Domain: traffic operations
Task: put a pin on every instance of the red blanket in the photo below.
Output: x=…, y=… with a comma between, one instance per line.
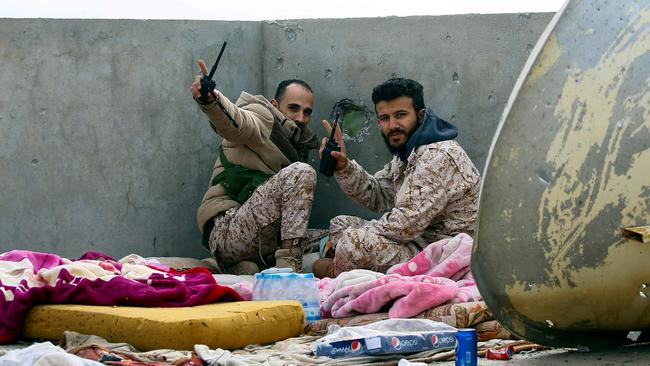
x=30, y=278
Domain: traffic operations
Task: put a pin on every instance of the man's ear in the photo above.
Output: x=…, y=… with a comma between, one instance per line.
x=421, y=114
x=275, y=103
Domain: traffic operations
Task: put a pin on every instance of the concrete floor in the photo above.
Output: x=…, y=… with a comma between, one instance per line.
x=634, y=355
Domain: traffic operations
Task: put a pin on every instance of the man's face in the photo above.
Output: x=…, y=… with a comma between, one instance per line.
x=397, y=119
x=296, y=103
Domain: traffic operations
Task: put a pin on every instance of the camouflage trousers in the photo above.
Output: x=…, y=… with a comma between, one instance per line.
x=277, y=210
x=358, y=247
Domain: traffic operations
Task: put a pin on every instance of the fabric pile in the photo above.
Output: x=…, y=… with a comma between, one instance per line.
x=437, y=275
x=30, y=278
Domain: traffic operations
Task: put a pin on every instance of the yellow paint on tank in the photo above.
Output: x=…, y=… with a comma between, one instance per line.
x=592, y=98
x=608, y=295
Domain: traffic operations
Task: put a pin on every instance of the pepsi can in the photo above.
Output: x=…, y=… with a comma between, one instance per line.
x=466, y=347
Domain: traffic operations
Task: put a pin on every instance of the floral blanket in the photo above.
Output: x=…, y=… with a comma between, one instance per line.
x=30, y=278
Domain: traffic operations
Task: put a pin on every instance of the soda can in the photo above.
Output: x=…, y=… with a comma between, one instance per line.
x=466, y=347
x=500, y=354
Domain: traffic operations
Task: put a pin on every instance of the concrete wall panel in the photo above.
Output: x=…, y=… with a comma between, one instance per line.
x=103, y=149
x=467, y=64
x=102, y=146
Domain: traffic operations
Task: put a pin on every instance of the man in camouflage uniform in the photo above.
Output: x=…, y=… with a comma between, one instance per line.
x=260, y=195
x=428, y=191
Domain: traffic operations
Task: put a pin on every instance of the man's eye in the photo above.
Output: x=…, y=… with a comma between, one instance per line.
x=307, y=112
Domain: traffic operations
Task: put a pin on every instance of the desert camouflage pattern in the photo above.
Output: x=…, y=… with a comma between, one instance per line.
x=277, y=210
x=433, y=195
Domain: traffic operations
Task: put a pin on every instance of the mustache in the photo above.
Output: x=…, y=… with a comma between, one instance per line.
x=395, y=131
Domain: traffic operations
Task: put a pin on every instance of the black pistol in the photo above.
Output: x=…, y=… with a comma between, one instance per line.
x=208, y=85
x=327, y=161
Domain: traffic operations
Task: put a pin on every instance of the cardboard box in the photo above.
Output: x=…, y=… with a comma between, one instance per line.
x=388, y=344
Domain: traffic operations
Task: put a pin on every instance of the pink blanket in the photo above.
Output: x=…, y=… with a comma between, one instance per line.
x=30, y=278
x=438, y=274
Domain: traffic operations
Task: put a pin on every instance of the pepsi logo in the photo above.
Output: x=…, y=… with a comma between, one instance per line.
x=355, y=346
x=395, y=343
x=434, y=340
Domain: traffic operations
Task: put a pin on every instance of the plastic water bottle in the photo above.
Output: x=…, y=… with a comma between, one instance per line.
x=280, y=284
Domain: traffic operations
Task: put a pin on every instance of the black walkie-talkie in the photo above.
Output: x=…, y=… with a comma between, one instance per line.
x=327, y=161
x=208, y=85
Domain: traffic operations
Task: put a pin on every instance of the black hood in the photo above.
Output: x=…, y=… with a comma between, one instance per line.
x=432, y=129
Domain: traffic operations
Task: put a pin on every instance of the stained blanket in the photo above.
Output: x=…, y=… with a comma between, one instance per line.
x=437, y=275
x=30, y=278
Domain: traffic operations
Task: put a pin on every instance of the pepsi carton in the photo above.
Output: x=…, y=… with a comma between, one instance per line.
x=388, y=344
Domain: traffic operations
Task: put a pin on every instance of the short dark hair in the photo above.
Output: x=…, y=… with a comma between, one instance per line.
x=399, y=87
x=282, y=87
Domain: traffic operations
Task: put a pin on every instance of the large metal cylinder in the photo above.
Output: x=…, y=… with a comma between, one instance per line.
x=568, y=169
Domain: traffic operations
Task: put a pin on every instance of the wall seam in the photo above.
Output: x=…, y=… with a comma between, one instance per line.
x=262, y=53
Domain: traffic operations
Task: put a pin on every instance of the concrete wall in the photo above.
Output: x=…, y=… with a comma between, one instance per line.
x=101, y=147
x=467, y=64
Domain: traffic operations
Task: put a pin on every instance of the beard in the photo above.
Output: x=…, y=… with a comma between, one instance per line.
x=400, y=150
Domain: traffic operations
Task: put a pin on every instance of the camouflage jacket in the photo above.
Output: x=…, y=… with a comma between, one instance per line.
x=433, y=195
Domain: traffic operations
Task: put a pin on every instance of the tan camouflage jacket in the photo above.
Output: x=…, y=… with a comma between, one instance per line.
x=432, y=196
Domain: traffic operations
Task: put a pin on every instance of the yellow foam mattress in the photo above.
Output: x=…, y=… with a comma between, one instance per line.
x=223, y=325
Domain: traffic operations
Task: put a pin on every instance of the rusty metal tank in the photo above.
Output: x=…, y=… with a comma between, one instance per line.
x=568, y=169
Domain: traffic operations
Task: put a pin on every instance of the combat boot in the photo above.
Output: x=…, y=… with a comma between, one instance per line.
x=289, y=258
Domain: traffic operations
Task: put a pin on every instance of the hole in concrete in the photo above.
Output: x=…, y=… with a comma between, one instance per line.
x=328, y=74
x=355, y=118
x=35, y=162
x=279, y=63
x=455, y=78
x=529, y=47
x=290, y=34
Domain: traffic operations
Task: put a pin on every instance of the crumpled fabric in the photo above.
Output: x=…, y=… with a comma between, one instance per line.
x=44, y=354
x=327, y=286
x=30, y=278
x=448, y=258
x=96, y=348
x=438, y=274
